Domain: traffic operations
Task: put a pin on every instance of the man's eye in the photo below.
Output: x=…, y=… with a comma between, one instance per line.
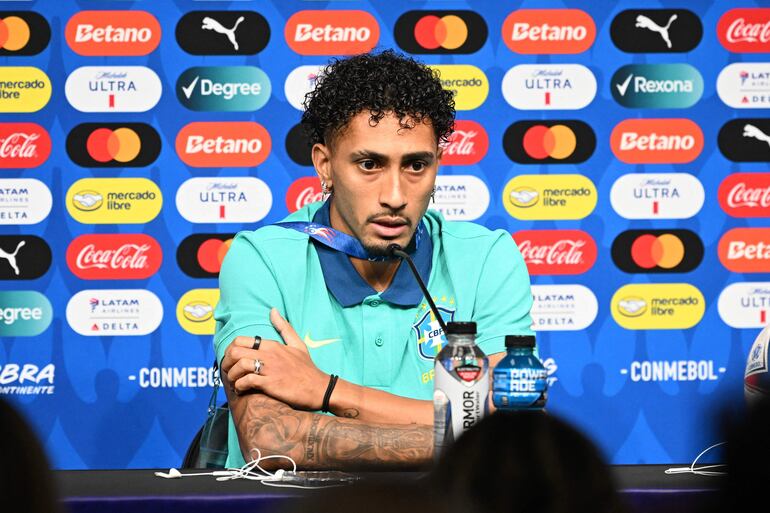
x=417, y=166
x=369, y=165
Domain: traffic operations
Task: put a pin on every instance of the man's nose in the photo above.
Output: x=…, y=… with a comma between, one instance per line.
x=392, y=192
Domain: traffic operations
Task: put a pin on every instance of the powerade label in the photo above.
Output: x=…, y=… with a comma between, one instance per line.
x=519, y=388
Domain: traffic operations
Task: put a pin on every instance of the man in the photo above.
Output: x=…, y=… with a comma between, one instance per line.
x=377, y=122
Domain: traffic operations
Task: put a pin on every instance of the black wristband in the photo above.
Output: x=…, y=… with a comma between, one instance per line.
x=328, y=394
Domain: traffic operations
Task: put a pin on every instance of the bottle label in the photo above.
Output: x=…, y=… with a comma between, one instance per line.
x=467, y=398
x=519, y=388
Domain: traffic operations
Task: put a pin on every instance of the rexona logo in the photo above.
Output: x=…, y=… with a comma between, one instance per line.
x=657, y=251
x=24, y=201
x=114, y=200
x=549, y=86
x=23, y=257
x=657, y=86
x=113, y=145
x=556, y=251
x=746, y=250
x=562, y=307
x=541, y=31
x=656, y=141
x=224, y=200
x=440, y=32
x=657, y=306
x=112, y=33
x=24, y=313
x=200, y=255
x=301, y=81
x=117, y=312
x=113, y=89
x=195, y=311
x=27, y=379
x=222, y=32
x=24, y=89
x=745, y=304
x=468, y=83
x=745, y=30
x=303, y=191
x=657, y=196
x=223, y=144
x=223, y=88
x=460, y=197
x=298, y=146
x=467, y=145
x=745, y=85
x=23, y=33
x=23, y=145
x=331, y=32
x=656, y=30
x=541, y=197
x=549, y=142
x=745, y=195
x=114, y=256
x=745, y=140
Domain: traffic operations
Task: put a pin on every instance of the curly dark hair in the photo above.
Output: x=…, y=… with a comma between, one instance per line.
x=380, y=83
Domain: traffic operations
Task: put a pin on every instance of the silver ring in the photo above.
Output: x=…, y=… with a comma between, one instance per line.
x=257, y=366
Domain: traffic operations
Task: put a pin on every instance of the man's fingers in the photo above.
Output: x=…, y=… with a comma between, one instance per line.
x=249, y=382
x=286, y=330
x=244, y=367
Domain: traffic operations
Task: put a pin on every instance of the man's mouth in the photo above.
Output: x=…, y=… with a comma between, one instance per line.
x=390, y=227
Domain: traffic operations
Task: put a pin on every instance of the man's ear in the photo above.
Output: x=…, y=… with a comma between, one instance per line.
x=321, y=156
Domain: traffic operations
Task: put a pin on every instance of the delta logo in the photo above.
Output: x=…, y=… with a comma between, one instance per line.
x=657, y=86
x=563, y=307
x=114, y=200
x=745, y=85
x=112, y=33
x=549, y=142
x=549, y=86
x=745, y=140
x=24, y=201
x=745, y=195
x=657, y=306
x=460, y=197
x=244, y=199
x=113, y=145
x=23, y=145
x=24, y=313
x=113, y=89
x=117, y=312
x=195, y=311
x=545, y=197
x=467, y=145
x=657, y=196
x=556, y=252
x=302, y=192
x=745, y=305
x=745, y=250
x=114, y=256
x=469, y=84
x=23, y=257
x=23, y=33
x=656, y=30
x=657, y=251
x=549, y=31
x=201, y=255
x=222, y=32
x=223, y=88
x=24, y=89
x=656, y=141
x=223, y=144
x=331, y=32
x=440, y=32
x=745, y=30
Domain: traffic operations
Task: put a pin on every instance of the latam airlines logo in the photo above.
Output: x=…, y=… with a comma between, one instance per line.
x=657, y=306
x=114, y=256
x=23, y=145
x=563, y=307
x=745, y=305
x=23, y=33
x=301, y=81
x=656, y=30
x=745, y=30
x=657, y=251
x=657, y=196
x=303, y=191
x=460, y=197
x=113, y=145
x=745, y=85
x=112, y=33
x=440, y=32
x=468, y=83
x=745, y=195
x=118, y=312
x=24, y=201
x=556, y=251
x=549, y=31
x=549, y=142
x=657, y=86
x=24, y=89
x=223, y=88
x=745, y=140
x=222, y=32
x=114, y=200
x=24, y=313
x=746, y=250
x=113, y=89
x=201, y=255
x=549, y=86
x=23, y=257
x=223, y=144
x=656, y=141
x=467, y=145
x=195, y=311
x=224, y=200
x=331, y=32
x=541, y=197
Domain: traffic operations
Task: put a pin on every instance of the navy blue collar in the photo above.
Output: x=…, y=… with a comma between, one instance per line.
x=349, y=288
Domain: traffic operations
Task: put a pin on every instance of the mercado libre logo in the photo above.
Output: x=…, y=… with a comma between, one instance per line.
x=745, y=195
x=656, y=141
x=544, y=197
x=113, y=89
x=656, y=30
x=195, y=311
x=114, y=200
x=657, y=251
x=331, y=32
x=745, y=305
x=24, y=313
x=549, y=31
x=24, y=89
x=112, y=33
x=657, y=306
x=549, y=142
x=549, y=86
x=657, y=86
x=23, y=145
x=468, y=83
x=223, y=88
x=222, y=32
x=113, y=145
x=745, y=140
x=200, y=255
x=223, y=144
x=114, y=256
x=23, y=257
x=116, y=312
x=657, y=196
x=23, y=33
x=435, y=32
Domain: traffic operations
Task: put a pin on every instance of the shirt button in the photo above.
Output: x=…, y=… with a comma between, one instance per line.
x=378, y=342
x=375, y=302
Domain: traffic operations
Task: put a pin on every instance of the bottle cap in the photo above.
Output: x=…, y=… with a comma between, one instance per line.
x=519, y=341
x=461, y=328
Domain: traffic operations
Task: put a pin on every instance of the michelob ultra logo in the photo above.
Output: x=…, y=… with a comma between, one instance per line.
x=563, y=307
x=745, y=195
x=23, y=33
x=657, y=306
x=195, y=311
x=657, y=86
x=657, y=196
x=201, y=254
x=435, y=32
x=113, y=89
x=460, y=197
x=243, y=199
x=112, y=33
x=114, y=200
x=745, y=30
x=549, y=86
x=222, y=32
x=24, y=89
x=549, y=31
x=24, y=201
x=540, y=197
x=657, y=251
x=745, y=85
x=115, y=312
x=223, y=144
x=745, y=304
x=23, y=145
x=24, y=313
x=746, y=250
x=656, y=30
x=223, y=88
x=113, y=145
x=549, y=142
x=656, y=141
x=468, y=83
x=745, y=140
x=331, y=32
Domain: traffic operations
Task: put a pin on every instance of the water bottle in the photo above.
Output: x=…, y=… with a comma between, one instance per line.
x=519, y=381
x=461, y=385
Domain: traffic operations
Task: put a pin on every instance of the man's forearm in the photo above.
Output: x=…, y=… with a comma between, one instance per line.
x=371, y=405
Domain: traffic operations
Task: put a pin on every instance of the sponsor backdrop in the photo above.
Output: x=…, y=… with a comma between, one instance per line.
x=623, y=146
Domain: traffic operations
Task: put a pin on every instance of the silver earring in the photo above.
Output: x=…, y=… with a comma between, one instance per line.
x=324, y=191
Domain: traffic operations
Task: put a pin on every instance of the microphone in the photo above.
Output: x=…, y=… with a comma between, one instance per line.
x=395, y=250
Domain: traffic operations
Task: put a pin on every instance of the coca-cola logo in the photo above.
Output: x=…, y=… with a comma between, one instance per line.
x=467, y=145
x=302, y=192
x=556, y=251
x=745, y=195
x=114, y=256
x=23, y=145
x=745, y=30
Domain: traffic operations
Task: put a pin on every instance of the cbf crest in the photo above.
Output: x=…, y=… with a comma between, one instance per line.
x=430, y=337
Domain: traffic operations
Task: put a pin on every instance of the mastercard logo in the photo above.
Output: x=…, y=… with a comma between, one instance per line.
x=457, y=32
x=23, y=33
x=657, y=251
x=549, y=142
x=201, y=255
x=113, y=145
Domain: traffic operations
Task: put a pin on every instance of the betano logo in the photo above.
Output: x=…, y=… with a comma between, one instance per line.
x=542, y=197
x=243, y=199
x=114, y=312
x=223, y=144
x=745, y=85
x=24, y=201
x=436, y=32
x=657, y=251
x=201, y=255
x=549, y=86
x=745, y=30
x=114, y=200
x=657, y=196
x=657, y=86
x=460, y=197
x=656, y=30
x=331, y=32
x=745, y=140
x=23, y=33
x=549, y=142
x=656, y=141
x=24, y=313
x=563, y=307
x=24, y=89
x=549, y=31
x=745, y=195
x=113, y=89
x=195, y=311
x=223, y=88
x=114, y=256
x=113, y=145
x=657, y=306
x=548, y=252
x=23, y=145
x=467, y=145
x=112, y=33
x=468, y=83
x=745, y=305
x=745, y=250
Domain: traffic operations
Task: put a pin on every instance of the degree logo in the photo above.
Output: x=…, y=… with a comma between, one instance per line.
x=223, y=144
x=549, y=86
x=746, y=250
x=542, y=197
x=549, y=31
x=115, y=312
x=563, y=307
x=24, y=89
x=657, y=196
x=657, y=306
x=114, y=256
x=114, y=200
x=24, y=313
x=467, y=145
x=657, y=251
x=195, y=311
x=23, y=33
x=23, y=145
x=657, y=86
x=549, y=142
x=556, y=251
x=303, y=191
x=745, y=30
x=745, y=305
x=745, y=85
x=656, y=30
x=745, y=140
x=112, y=33
x=656, y=141
x=113, y=89
x=200, y=255
x=113, y=145
x=468, y=83
x=331, y=32
x=23, y=257
x=243, y=199
x=24, y=201
x=223, y=88
x=222, y=32
x=745, y=195
x=437, y=32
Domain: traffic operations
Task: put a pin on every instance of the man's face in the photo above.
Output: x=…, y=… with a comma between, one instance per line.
x=382, y=177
